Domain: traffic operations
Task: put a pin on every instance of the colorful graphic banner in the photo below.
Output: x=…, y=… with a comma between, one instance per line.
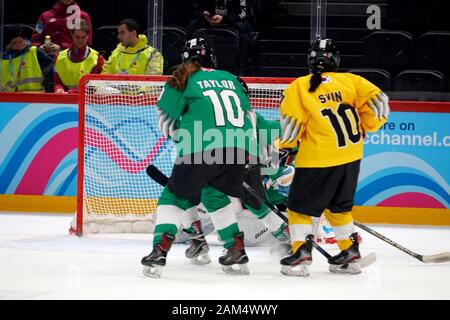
x=38, y=148
x=406, y=163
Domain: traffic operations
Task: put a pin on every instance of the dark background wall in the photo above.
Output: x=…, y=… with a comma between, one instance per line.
x=102, y=12
x=415, y=16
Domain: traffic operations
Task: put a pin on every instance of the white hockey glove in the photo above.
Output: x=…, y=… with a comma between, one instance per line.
x=290, y=128
x=166, y=124
x=380, y=105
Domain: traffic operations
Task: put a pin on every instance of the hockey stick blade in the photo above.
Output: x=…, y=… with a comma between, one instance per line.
x=436, y=258
x=154, y=173
x=367, y=260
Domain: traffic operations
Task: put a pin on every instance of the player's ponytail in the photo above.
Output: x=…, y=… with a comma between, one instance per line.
x=315, y=81
x=181, y=74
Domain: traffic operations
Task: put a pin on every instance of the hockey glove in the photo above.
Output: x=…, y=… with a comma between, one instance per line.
x=380, y=105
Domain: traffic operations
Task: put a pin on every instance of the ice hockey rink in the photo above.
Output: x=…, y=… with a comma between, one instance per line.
x=40, y=260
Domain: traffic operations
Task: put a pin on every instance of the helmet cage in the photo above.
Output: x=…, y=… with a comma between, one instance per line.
x=323, y=56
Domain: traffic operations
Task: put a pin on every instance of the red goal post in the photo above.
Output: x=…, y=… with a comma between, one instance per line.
x=119, y=137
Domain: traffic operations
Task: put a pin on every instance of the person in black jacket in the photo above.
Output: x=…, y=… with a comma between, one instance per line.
x=217, y=13
x=227, y=14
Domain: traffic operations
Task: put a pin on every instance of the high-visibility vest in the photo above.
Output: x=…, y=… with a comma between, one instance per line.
x=22, y=73
x=140, y=59
x=71, y=72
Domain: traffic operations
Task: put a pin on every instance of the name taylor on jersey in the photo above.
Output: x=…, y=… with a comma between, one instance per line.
x=206, y=84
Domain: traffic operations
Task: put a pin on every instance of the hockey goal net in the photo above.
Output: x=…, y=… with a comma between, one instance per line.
x=119, y=138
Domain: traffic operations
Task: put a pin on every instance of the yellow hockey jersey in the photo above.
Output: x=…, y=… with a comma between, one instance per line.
x=333, y=119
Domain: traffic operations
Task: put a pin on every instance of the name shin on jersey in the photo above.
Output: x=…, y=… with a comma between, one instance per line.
x=207, y=84
x=331, y=96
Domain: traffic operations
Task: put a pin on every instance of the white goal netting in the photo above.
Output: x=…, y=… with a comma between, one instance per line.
x=119, y=138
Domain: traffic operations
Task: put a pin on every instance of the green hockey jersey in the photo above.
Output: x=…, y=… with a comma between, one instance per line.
x=213, y=111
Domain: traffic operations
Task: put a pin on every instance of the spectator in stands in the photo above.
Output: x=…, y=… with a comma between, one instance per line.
x=217, y=13
x=24, y=67
x=57, y=23
x=232, y=14
x=71, y=64
x=133, y=54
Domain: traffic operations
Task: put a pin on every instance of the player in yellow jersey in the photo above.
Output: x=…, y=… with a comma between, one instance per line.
x=326, y=115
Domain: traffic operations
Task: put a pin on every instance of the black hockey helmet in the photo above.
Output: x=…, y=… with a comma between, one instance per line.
x=244, y=85
x=323, y=56
x=197, y=49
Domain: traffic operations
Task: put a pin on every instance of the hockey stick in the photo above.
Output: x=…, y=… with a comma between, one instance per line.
x=281, y=215
x=154, y=173
x=434, y=258
x=365, y=261
x=160, y=178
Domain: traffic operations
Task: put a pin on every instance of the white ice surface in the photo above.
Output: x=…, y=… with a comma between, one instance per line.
x=39, y=260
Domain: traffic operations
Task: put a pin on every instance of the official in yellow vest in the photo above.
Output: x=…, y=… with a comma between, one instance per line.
x=75, y=62
x=133, y=55
x=23, y=66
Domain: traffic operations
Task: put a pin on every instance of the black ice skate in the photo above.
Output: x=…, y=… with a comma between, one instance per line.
x=234, y=260
x=296, y=264
x=198, y=249
x=157, y=258
x=348, y=260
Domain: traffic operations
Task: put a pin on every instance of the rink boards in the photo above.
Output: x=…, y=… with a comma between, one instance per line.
x=404, y=170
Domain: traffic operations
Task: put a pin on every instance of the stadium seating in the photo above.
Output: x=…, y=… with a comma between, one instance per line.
x=282, y=72
x=379, y=77
x=173, y=39
x=105, y=40
x=392, y=50
x=419, y=80
x=433, y=51
x=28, y=29
x=225, y=43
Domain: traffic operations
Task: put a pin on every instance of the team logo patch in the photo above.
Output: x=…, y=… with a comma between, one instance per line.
x=326, y=79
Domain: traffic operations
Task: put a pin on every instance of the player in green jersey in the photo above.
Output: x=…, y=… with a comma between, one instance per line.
x=208, y=114
x=270, y=225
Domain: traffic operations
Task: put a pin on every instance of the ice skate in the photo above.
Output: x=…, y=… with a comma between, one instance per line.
x=197, y=252
x=348, y=260
x=296, y=264
x=154, y=262
x=235, y=260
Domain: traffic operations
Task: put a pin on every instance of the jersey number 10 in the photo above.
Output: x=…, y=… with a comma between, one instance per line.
x=224, y=102
x=342, y=113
